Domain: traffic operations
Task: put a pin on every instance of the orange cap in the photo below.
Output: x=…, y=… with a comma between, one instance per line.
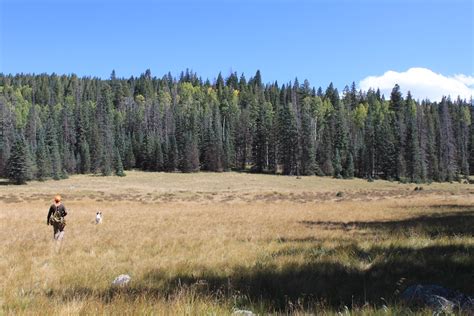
x=57, y=198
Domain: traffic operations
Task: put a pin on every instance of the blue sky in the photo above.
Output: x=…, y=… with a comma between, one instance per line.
x=336, y=41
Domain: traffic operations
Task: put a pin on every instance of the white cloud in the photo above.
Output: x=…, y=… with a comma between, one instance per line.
x=422, y=83
x=467, y=80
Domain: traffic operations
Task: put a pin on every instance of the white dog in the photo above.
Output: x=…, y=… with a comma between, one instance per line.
x=98, y=218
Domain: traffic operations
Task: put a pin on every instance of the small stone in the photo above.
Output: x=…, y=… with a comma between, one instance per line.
x=243, y=312
x=438, y=298
x=121, y=280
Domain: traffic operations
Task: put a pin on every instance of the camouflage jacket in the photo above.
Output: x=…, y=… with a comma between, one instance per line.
x=52, y=210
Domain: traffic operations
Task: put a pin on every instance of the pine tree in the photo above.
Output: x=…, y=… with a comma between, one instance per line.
x=42, y=161
x=243, y=138
x=413, y=156
x=190, y=159
x=69, y=159
x=324, y=150
x=172, y=154
x=433, y=170
x=287, y=146
x=337, y=165
x=308, y=160
x=6, y=134
x=228, y=153
x=104, y=113
x=118, y=164
x=157, y=156
x=386, y=154
x=95, y=147
x=340, y=129
x=398, y=124
x=52, y=149
x=17, y=164
x=85, y=157
x=32, y=168
x=448, y=166
x=369, y=148
x=349, y=170
x=463, y=121
x=211, y=142
x=129, y=161
x=32, y=127
x=148, y=152
x=471, y=142
x=67, y=135
x=261, y=140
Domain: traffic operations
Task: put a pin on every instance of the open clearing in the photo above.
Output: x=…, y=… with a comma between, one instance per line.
x=209, y=243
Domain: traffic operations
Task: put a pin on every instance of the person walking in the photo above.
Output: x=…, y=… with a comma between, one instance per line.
x=56, y=215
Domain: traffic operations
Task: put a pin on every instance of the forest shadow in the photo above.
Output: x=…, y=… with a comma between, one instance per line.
x=333, y=283
x=434, y=225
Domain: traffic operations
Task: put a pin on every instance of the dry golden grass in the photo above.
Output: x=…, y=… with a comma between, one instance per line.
x=210, y=242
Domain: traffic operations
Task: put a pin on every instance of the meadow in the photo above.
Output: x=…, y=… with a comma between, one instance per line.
x=211, y=243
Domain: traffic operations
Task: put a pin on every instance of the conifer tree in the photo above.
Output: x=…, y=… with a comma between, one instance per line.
x=447, y=147
x=157, y=162
x=398, y=124
x=17, y=164
x=95, y=147
x=104, y=116
x=471, y=141
x=308, y=160
x=129, y=161
x=52, y=149
x=190, y=159
x=6, y=135
x=463, y=121
x=85, y=157
x=43, y=163
x=433, y=169
x=287, y=146
x=261, y=140
x=413, y=157
x=337, y=165
x=349, y=169
x=118, y=164
x=172, y=154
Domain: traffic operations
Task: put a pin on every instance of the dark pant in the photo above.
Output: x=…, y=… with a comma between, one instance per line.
x=58, y=230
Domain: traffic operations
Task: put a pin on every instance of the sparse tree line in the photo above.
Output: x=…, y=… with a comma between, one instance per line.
x=52, y=126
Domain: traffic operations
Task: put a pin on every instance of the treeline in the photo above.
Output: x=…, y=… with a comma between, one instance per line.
x=52, y=126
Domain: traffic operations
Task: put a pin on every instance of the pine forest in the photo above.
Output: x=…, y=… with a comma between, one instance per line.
x=52, y=126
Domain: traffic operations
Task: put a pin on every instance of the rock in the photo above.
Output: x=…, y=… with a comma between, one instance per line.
x=438, y=298
x=121, y=280
x=440, y=304
x=468, y=306
x=243, y=312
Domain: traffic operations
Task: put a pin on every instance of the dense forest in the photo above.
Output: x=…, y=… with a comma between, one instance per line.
x=52, y=126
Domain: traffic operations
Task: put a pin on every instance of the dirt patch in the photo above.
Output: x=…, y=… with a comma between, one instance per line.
x=11, y=199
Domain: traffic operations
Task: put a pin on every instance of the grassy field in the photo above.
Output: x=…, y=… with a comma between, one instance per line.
x=210, y=243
